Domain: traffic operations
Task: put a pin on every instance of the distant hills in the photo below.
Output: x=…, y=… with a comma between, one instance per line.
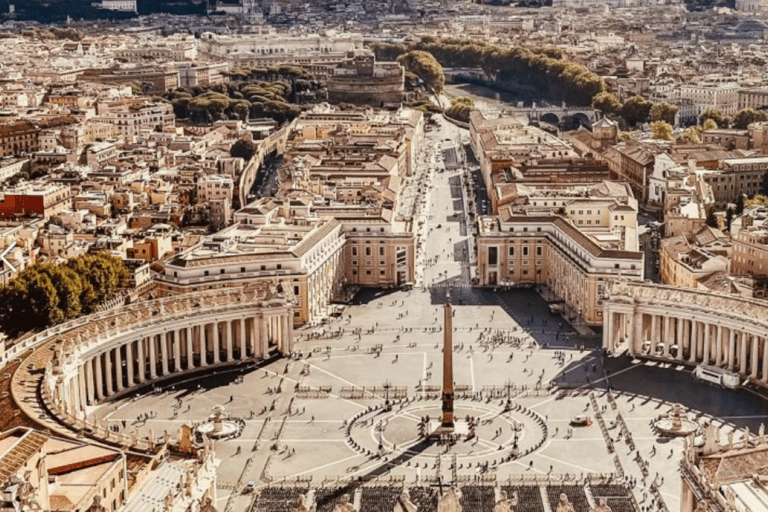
x=50, y=11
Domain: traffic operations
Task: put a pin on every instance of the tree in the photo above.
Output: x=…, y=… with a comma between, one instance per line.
x=607, y=103
x=712, y=219
x=662, y=130
x=460, y=108
x=747, y=116
x=636, y=110
x=729, y=217
x=740, y=204
x=715, y=115
x=244, y=149
x=690, y=135
x=709, y=124
x=663, y=112
x=424, y=65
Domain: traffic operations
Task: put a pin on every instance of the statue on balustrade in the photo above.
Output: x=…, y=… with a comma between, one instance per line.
x=450, y=501
x=301, y=504
x=404, y=503
x=208, y=505
x=505, y=504
x=602, y=506
x=564, y=505
x=344, y=505
x=96, y=506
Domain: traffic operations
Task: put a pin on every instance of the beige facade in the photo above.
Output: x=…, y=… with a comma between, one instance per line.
x=550, y=250
x=306, y=255
x=750, y=252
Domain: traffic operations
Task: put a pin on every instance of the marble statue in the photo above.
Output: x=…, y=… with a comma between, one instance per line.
x=208, y=505
x=343, y=505
x=505, y=504
x=301, y=504
x=602, y=506
x=450, y=501
x=564, y=505
x=404, y=503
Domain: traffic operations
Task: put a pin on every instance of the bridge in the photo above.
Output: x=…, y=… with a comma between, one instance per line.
x=555, y=115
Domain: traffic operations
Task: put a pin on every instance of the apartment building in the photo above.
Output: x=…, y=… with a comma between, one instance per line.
x=718, y=96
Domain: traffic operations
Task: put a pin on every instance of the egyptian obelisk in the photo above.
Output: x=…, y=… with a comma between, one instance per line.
x=447, y=425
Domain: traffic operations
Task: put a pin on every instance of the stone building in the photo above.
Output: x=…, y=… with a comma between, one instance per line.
x=547, y=249
x=359, y=79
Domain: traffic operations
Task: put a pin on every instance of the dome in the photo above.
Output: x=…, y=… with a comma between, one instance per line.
x=751, y=25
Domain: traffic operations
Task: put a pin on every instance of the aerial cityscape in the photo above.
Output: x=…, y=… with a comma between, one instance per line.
x=384, y=256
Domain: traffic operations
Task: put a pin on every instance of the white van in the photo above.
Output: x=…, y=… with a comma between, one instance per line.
x=718, y=376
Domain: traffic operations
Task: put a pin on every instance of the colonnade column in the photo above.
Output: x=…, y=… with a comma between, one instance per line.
x=765, y=360
x=142, y=367
x=89, y=381
x=177, y=350
x=719, y=346
x=190, y=350
x=679, y=339
x=228, y=339
x=694, y=341
x=129, y=362
x=203, y=345
x=108, y=373
x=216, y=344
x=81, y=383
x=653, y=337
x=743, y=352
x=608, y=339
x=152, y=357
x=753, y=356
x=119, y=372
x=99, y=380
x=285, y=336
x=243, y=344
x=706, y=355
x=263, y=336
x=667, y=335
x=164, y=353
x=731, y=347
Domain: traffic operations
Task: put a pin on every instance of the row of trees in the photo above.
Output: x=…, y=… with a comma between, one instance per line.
x=541, y=74
x=460, y=108
x=638, y=110
x=425, y=66
x=47, y=294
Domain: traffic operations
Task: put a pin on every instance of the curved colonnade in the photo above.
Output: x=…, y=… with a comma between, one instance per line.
x=687, y=326
x=77, y=365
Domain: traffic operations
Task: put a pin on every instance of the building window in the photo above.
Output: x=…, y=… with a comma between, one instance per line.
x=367, y=251
x=511, y=251
x=539, y=251
x=381, y=250
x=354, y=251
x=493, y=255
x=525, y=251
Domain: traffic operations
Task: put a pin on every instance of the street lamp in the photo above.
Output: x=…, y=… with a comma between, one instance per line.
x=387, y=405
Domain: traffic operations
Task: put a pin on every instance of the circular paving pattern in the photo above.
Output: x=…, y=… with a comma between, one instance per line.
x=499, y=436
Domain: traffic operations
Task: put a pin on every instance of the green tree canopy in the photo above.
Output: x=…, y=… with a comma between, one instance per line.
x=747, y=116
x=662, y=130
x=606, y=103
x=663, y=112
x=46, y=294
x=636, y=110
x=715, y=115
x=425, y=66
x=244, y=149
x=709, y=124
x=690, y=135
x=460, y=108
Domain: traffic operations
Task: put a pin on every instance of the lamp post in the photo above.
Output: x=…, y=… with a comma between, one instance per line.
x=387, y=405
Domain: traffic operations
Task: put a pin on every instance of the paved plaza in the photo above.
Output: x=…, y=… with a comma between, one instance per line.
x=320, y=416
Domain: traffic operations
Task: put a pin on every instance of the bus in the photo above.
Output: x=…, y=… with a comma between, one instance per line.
x=715, y=375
